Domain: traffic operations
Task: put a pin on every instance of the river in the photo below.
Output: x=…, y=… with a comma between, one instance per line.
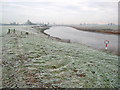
x=92, y=39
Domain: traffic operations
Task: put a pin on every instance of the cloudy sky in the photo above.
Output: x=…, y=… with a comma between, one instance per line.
x=60, y=11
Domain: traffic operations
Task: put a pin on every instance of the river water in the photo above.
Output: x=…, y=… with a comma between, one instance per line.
x=92, y=39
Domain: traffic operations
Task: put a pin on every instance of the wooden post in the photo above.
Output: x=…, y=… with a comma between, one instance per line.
x=8, y=31
x=21, y=32
x=14, y=30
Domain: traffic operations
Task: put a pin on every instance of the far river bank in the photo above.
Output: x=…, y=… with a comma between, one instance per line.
x=107, y=31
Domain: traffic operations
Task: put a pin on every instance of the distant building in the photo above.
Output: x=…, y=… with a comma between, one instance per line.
x=48, y=23
x=111, y=24
x=29, y=23
x=14, y=23
x=17, y=23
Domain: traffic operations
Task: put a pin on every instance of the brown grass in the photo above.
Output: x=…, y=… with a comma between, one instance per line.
x=109, y=31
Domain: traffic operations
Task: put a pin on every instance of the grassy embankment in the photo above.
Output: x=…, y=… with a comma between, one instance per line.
x=101, y=29
x=38, y=61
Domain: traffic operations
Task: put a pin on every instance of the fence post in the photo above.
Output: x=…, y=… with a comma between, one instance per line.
x=8, y=31
x=14, y=30
x=21, y=32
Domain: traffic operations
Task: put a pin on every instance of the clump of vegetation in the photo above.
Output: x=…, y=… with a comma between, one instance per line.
x=26, y=33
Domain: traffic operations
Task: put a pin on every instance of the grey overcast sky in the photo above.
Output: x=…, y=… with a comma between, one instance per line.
x=60, y=11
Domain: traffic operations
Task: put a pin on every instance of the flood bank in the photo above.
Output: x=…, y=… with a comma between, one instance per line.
x=36, y=61
x=107, y=31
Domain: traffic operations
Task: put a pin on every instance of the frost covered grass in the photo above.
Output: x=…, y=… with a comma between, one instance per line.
x=37, y=61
